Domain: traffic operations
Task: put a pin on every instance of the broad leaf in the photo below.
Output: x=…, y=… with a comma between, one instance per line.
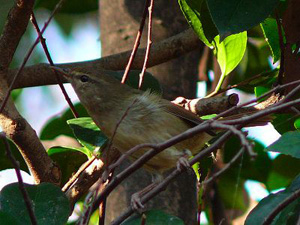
x=297, y=124
x=50, y=204
x=267, y=205
x=234, y=16
x=269, y=27
x=87, y=132
x=5, y=162
x=68, y=159
x=230, y=51
x=57, y=125
x=284, y=169
x=283, y=122
x=287, y=144
x=198, y=17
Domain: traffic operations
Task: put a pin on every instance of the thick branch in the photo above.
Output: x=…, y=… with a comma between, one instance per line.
x=14, y=29
x=19, y=130
x=161, y=52
x=12, y=123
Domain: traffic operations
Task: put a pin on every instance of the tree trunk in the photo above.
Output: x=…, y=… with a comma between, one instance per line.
x=119, y=23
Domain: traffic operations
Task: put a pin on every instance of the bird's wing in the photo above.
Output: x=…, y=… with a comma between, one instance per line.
x=182, y=113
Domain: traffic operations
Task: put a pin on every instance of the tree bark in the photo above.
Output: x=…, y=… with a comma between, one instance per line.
x=119, y=23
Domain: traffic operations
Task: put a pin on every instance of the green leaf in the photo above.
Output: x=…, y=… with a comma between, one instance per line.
x=269, y=27
x=284, y=169
x=255, y=61
x=232, y=192
x=250, y=169
x=230, y=51
x=283, y=123
x=68, y=159
x=287, y=144
x=208, y=117
x=87, y=133
x=297, y=124
x=234, y=16
x=51, y=206
x=267, y=205
x=154, y=217
x=150, y=82
x=58, y=125
x=198, y=17
x=6, y=163
x=15, y=94
x=71, y=7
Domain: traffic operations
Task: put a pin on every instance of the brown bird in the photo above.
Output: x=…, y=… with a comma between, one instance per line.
x=151, y=119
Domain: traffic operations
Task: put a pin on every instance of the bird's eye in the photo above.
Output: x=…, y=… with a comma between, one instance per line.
x=84, y=78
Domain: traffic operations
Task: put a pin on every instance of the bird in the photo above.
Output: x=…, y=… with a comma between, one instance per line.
x=151, y=119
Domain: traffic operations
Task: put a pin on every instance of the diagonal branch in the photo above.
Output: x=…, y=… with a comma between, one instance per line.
x=14, y=29
x=161, y=52
x=13, y=124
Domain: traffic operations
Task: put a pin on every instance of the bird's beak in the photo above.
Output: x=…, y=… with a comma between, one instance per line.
x=63, y=71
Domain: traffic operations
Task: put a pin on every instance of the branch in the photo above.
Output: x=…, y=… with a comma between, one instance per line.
x=207, y=106
x=58, y=77
x=14, y=29
x=136, y=43
x=13, y=124
x=225, y=168
x=161, y=52
x=149, y=44
x=161, y=186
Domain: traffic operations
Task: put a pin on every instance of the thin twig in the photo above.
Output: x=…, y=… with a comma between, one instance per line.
x=281, y=206
x=77, y=174
x=161, y=186
x=119, y=122
x=136, y=43
x=16, y=76
x=238, y=133
x=225, y=168
x=16, y=165
x=58, y=78
x=149, y=43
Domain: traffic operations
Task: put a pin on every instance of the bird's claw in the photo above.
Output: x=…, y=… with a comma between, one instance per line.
x=136, y=203
x=183, y=163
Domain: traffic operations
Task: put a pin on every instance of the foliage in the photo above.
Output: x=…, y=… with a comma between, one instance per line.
x=243, y=36
x=51, y=206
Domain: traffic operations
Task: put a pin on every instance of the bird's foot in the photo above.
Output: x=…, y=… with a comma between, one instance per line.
x=183, y=164
x=136, y=203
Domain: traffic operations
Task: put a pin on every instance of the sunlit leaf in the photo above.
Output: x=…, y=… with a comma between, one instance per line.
x=230, y=51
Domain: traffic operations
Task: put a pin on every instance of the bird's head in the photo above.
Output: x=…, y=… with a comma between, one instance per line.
x=90, y=87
